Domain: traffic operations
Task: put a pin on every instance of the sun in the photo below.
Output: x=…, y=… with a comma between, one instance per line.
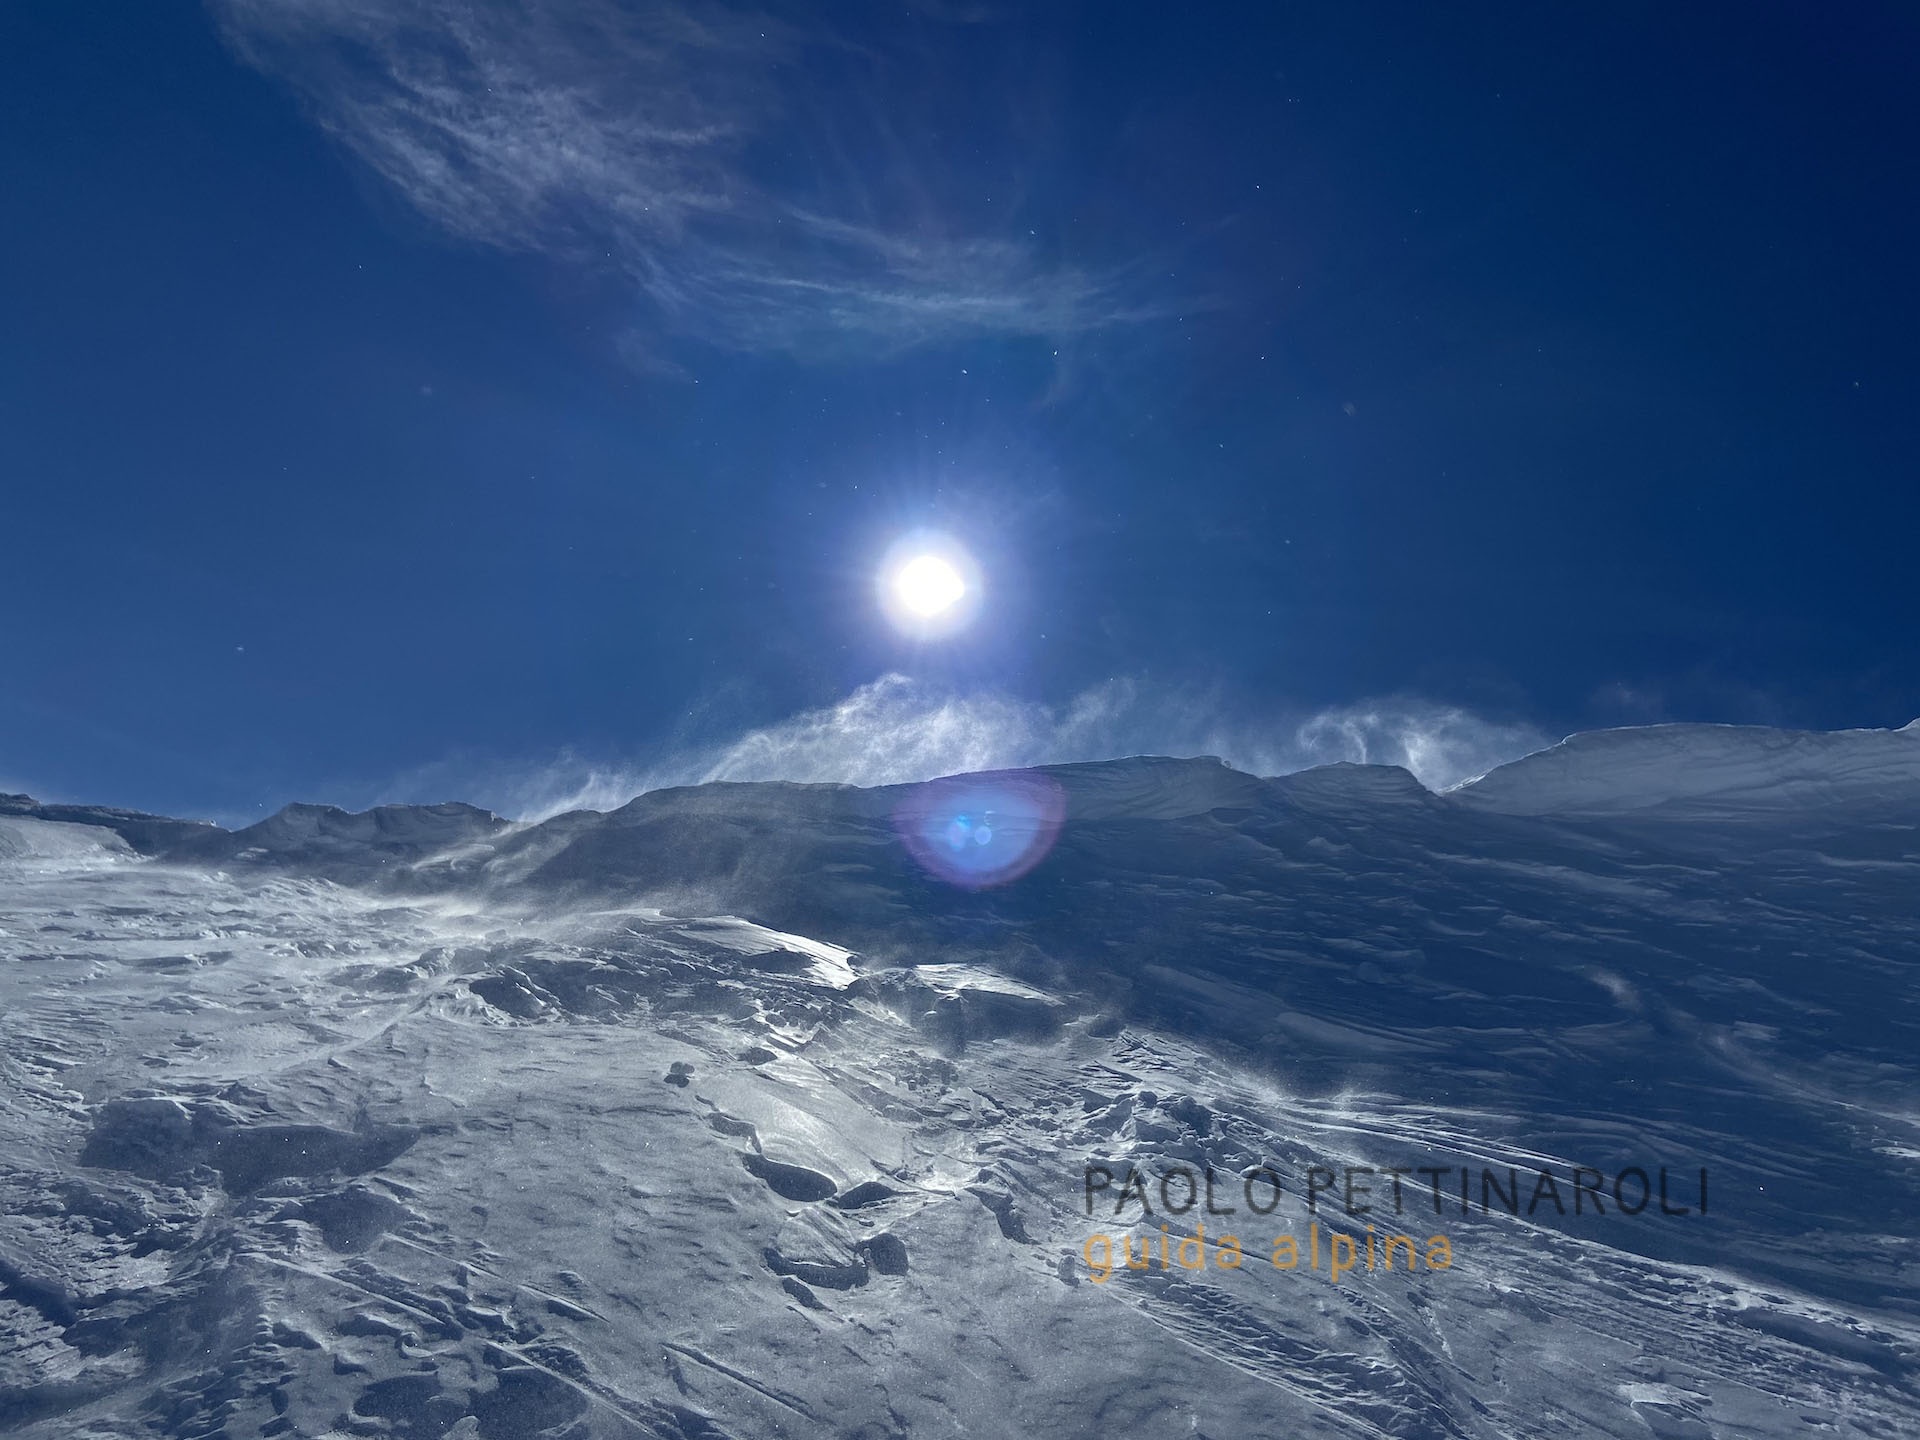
x=929, y=586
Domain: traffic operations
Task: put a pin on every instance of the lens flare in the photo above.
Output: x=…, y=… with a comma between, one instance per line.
x=977, y=831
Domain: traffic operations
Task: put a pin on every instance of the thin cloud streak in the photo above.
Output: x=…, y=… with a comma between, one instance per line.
x=620, y=135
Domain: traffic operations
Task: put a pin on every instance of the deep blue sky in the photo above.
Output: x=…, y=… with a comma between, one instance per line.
x=1555, y=362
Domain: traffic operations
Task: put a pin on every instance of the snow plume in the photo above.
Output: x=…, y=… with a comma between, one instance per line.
x=898, y=730
x=622, y=136
x=1442, y=745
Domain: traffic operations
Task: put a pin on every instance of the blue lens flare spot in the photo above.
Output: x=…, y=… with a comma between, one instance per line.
x=975, y=831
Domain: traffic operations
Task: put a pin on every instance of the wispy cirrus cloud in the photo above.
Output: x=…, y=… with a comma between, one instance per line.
x=636, y=135
x=896, y=730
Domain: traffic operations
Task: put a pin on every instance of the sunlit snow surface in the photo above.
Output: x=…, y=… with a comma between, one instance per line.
x=421, y=1124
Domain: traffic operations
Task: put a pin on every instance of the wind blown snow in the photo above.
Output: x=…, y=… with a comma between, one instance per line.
x=897, y=730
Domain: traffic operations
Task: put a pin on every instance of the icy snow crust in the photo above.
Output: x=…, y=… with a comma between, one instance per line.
x=715, y=1116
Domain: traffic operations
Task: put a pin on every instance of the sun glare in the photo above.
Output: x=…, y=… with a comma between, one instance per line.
x=929, y=586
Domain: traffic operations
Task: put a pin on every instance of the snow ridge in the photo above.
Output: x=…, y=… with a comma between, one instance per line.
x=1705, y=770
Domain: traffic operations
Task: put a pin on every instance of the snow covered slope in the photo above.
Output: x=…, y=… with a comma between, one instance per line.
x=27, y=840
x=143, y=832
x=730, y=1113
x=1704, y=770
x=323, y=839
